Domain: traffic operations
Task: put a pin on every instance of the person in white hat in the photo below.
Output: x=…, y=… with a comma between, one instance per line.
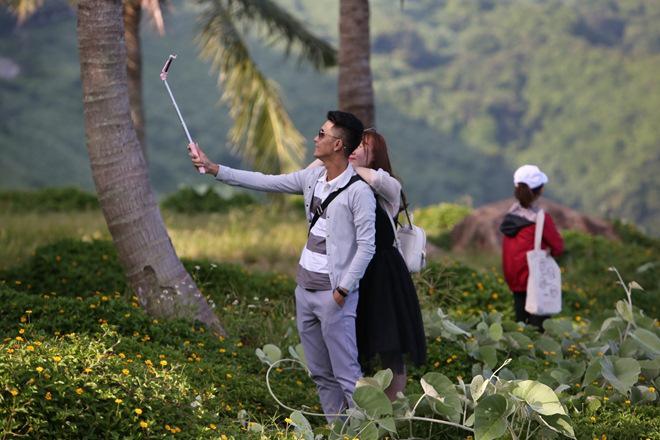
x=518, y=230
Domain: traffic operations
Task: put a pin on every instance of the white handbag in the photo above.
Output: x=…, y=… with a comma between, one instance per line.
x=544, y=282
x=411, y=242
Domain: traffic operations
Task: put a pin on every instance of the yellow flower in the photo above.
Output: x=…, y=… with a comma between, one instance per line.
x=138, y=411
x=39, y=369
x=57, y=358
x=79, y=391
x=163, y=363
x=148, y=363
x=288, y=420
x=627, y=402
x=87, y=370
x=143, y=424
x=19, y=339
x=21, y=331
x=224, y=437
x=125, y=372
x=652, y=389
x=213, y=426
x=122, y=355
x=29, y=348
x=14, y=392
x=229, y=376
x=48, y=396
x=592, y=418
x=221, y=350
x=118, y=401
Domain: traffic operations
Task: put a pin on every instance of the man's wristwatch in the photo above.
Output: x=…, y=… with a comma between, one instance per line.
x=343, y=292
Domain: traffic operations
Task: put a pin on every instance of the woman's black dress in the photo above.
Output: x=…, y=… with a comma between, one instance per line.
x=389, y=324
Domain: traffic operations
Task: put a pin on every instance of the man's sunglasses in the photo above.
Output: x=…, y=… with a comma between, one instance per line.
x=323, y=134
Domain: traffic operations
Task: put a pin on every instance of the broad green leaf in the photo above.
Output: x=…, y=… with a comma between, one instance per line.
x=629, y=348
x=298, y=352
x=559, y=327
x=647, y=341
x=592, y=373
x=549, y=347
x=367, y=431
x=624, y=310
x=367, y=381
x=650, y=368
x=388, y=424
x=470, y=420
x=593, y=404
x=477, y=387
x=489, y=418
x=539, y=397
x=519, y=340
x=607, y=324
x=302, y=425
x=373, y=401
x=495, y=331
x=559, y=423
x=384, y=378
x=273, y=352
x=448, y=402
x=430, y=391
x=453, y=329
x=299, y=420
x=488, y=354
x=622, y=373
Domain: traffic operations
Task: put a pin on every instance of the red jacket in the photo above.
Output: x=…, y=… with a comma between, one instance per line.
x=518, y=240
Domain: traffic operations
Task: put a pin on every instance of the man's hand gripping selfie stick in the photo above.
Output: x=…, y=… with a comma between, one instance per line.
x=163, y=76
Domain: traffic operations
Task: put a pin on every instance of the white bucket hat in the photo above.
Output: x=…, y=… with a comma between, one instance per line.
x=530, y=175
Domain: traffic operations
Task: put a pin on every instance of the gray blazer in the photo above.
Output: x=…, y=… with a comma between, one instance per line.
x=351, y=216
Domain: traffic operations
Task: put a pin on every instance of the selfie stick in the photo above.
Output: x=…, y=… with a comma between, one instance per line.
x=163, y=76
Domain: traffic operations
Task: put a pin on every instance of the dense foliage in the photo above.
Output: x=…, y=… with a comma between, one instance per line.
x=80, y=358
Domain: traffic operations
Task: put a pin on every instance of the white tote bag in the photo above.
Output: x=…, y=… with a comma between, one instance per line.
x=411, y=242
x=544, y=282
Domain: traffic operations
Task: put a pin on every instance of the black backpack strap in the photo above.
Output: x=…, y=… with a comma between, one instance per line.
x=321, y=209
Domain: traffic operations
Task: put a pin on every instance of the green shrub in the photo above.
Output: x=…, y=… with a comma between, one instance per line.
x=206, y=199
x=48, y=200
x=587, y=259
x=65, y=362
x=438, y=221
x=69, y=267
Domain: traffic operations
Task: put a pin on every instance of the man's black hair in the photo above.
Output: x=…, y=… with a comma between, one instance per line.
x=349, y=127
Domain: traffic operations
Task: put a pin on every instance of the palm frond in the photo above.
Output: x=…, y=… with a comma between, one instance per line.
x=281, y=26
x=22, y=9
x=262, y=132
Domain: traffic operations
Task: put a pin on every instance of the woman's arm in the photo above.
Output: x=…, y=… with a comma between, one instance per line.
x=384, y=185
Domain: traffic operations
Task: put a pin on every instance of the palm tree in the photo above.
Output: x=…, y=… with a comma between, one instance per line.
x=263, y=132
x=356, y=93
x=153, y=270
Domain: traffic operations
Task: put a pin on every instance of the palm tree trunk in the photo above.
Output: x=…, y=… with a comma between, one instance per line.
x=356, y=93
x=132, y=16
x=119, y=169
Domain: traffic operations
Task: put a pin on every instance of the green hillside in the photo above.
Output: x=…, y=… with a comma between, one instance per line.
x=466, y=92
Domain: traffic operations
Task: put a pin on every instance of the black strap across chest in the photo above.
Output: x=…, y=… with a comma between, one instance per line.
x=318, y=212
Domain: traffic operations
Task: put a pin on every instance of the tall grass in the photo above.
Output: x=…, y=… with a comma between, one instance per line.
x=260, y=236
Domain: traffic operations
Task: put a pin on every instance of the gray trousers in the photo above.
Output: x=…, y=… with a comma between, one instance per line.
x=327, y=333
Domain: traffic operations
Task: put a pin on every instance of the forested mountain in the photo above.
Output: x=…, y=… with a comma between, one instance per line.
x=467, y=90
